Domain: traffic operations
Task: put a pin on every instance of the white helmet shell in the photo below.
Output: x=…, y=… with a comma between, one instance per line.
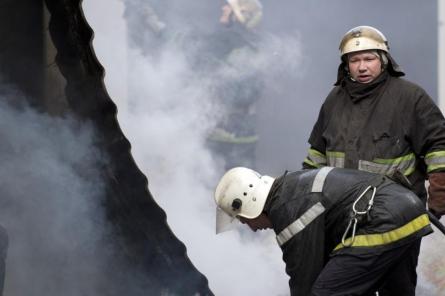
x=363, y=38
x=243, y=192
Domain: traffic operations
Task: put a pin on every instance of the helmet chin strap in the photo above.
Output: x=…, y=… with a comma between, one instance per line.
x=383, y=59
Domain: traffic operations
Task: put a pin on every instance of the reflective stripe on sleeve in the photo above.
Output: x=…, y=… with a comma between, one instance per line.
x=319, y=179
x=221, y=135
x=335, y=159
x=299, y=224
x=315, y=158
x=435, y=160
x=406, y=164
x=378, y=239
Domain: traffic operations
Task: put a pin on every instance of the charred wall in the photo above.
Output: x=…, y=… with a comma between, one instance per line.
x=46, y=53
x=21, y=49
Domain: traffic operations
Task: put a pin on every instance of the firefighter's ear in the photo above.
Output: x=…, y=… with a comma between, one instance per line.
x=346, y=68
x=344, y=61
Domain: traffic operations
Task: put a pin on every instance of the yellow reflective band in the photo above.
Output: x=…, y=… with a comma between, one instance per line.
x=311, y=163
x=316, y=153
x=435, y=160
x=336, y=159
x=336, y=154
x=435, y=154
x=398, y=160
x=435, y=167
x=315, y=158
x=221, y=135
x=378, y=239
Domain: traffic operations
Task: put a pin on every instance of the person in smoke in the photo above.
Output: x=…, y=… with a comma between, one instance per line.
x=230, y=54
x=245, y=12
x=341, y=231
x=3, y=249
x=375, y=121
x=146, y=29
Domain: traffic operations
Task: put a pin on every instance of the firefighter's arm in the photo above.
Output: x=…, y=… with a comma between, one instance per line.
x=428, y=139
x=316, y=156
x=314, y=159
x=427, y=132
x=436, y=193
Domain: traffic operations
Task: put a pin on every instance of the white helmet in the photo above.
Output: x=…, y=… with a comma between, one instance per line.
x=241, y=192
x=247, y=12
x=363, y=38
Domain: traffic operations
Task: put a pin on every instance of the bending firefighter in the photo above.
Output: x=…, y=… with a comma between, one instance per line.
x=342, y=232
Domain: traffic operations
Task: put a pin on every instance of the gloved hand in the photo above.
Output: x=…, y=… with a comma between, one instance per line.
x=436, y=194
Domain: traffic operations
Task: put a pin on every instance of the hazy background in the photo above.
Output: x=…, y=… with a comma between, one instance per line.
x=166, y=110
x=51, y=202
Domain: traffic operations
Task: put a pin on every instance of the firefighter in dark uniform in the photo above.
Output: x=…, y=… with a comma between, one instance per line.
x=342, y=231
x=375, y=121
x=238, y=86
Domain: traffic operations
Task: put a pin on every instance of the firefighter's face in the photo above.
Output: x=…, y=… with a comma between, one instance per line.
x=364, y=66
x=260, y=222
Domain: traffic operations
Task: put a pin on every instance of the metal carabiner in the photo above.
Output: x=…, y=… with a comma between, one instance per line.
x=354, y=226
x=370, y=203
x=353, y=221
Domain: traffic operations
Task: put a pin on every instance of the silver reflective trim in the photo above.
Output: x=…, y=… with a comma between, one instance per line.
x=337, y=162
x=435, y=160
x=406, y=167
x=319, y=179
x=335, y=159
x=299, y=224
x=369, y=166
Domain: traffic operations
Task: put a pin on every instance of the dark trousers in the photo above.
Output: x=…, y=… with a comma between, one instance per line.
x=391, y=273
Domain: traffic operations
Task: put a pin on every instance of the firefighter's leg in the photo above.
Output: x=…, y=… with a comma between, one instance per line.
x=402, y=278
x=358, y=274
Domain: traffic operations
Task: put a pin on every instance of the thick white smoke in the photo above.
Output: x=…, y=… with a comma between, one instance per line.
x=167, y=114
x=51, y=193
x=165, y=109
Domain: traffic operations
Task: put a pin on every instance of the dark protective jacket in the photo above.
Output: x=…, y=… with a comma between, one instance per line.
x=310, y=211
x=230, y=57
x=397, y=126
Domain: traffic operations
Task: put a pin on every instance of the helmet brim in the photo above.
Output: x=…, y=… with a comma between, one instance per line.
x=224, y=222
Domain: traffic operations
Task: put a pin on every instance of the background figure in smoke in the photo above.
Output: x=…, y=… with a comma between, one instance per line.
x=234, y=137
x=139, y=12
x=3, y=249
x=221, y=58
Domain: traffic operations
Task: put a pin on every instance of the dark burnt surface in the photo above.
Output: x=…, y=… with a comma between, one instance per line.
x=143, y=238
x=21, y=31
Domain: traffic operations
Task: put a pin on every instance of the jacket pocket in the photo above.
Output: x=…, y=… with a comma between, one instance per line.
x=387, y=146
